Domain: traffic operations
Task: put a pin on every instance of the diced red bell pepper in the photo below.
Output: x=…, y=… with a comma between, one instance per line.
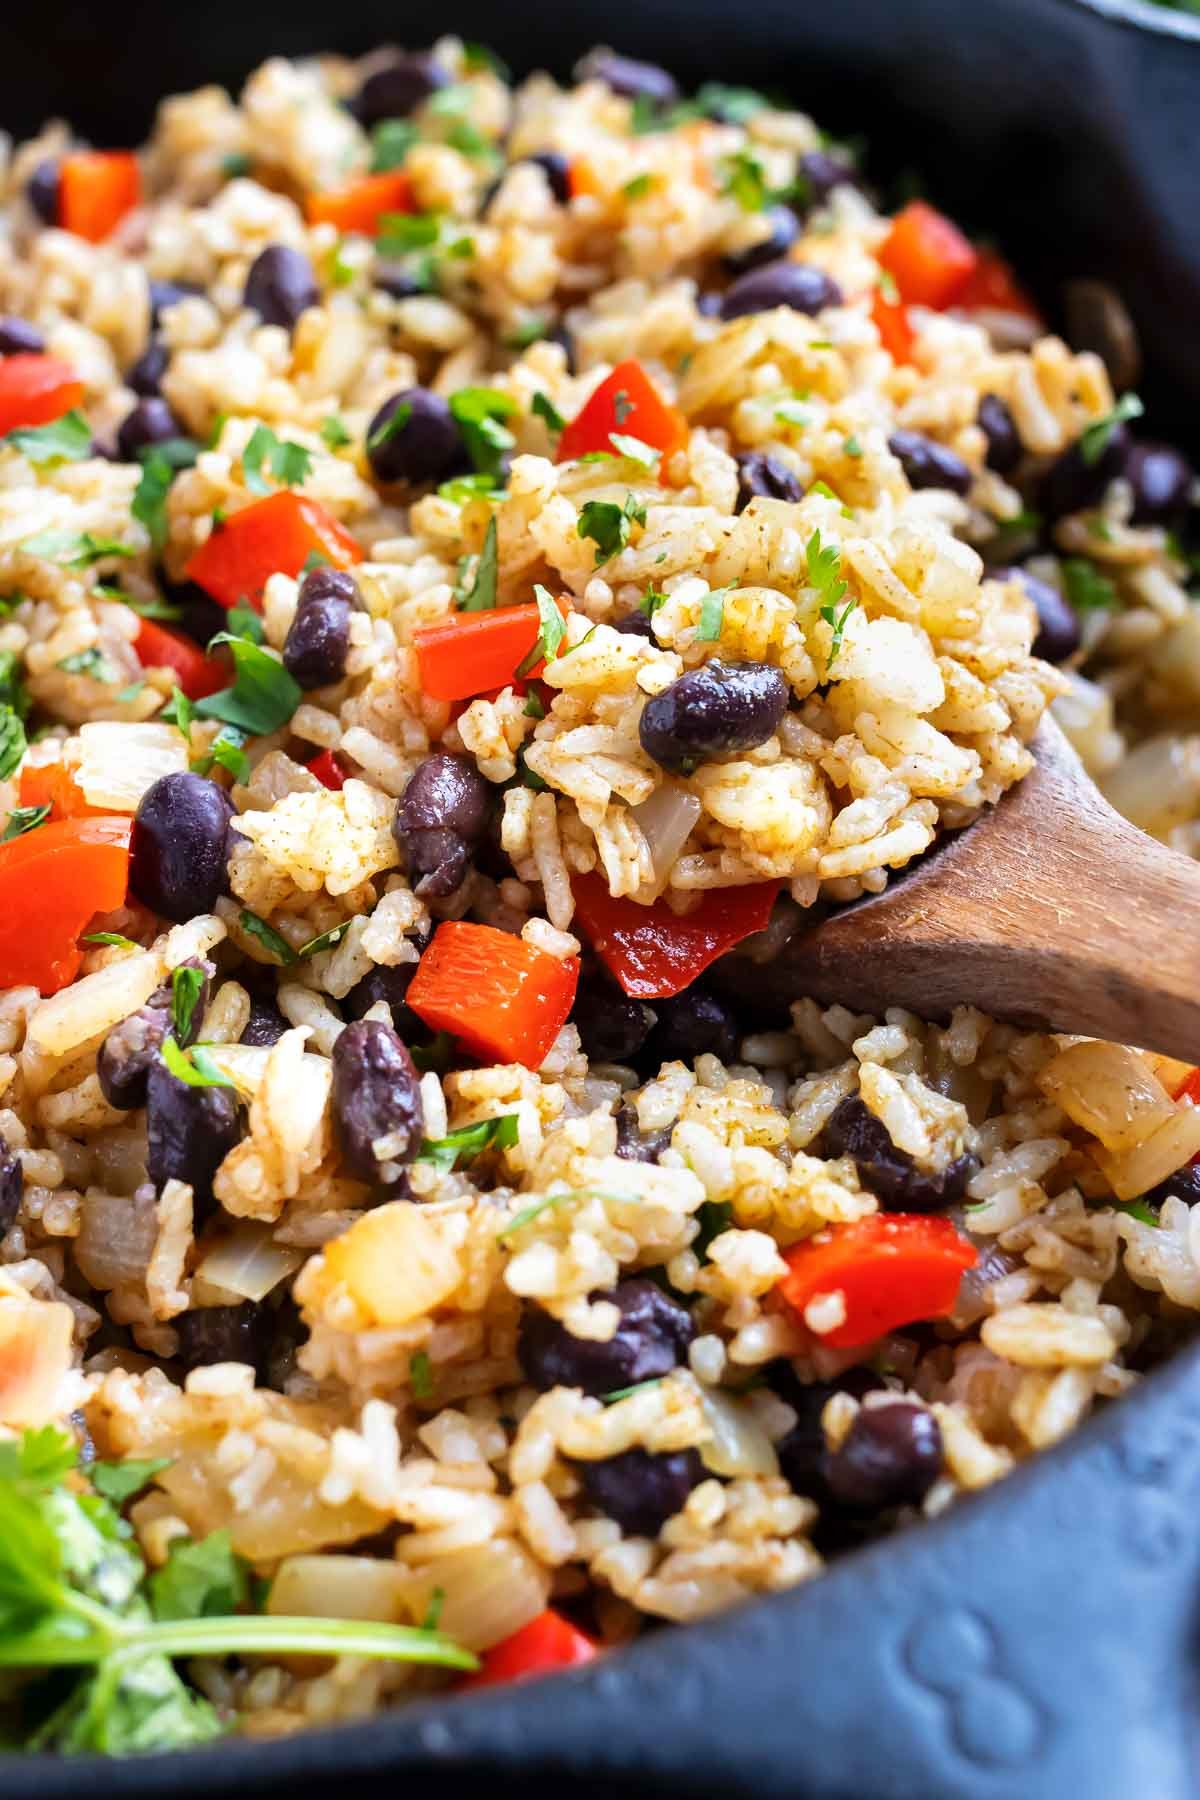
x=547, y=1643
x=627, y=402
x=96, y=188
x=1189, y=1088
x=36, y=389
x=360, y=205
x=275, y=536
x=501, y=998
x=53, y=785
x=927, y=256
x=654, y=952
x=891, y=1269
x=53, y=880
x=891, y=321
x=328, y=770
x=474, y=653
x=993, y=285
x=198, y=675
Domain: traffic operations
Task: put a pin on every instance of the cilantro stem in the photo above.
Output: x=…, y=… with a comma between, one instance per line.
x=251, y=1633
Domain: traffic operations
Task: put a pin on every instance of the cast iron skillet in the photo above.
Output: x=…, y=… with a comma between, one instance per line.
x=1041, y=1640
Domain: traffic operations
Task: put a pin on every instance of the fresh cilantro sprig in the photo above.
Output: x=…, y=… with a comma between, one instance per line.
x=608, y=525
x=481, y=595
x=550, y=634
x=1095, y=438
x=13, y=742
x=22, y=819
x=837, y=624
x=824, y=564
x=478, y=412
x=460, y=1146
x=75, y=1596
x=712, y=614
x=1086, y=588
x=195, y=1067
x=68, y=439
x=288, y=462
x=263, y=696
x=73, y=549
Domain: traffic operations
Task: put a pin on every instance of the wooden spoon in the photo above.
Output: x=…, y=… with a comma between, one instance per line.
x=1051, y=911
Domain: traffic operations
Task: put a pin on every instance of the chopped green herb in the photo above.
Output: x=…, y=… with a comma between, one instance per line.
x=235, y=162
x=263, y=696
x=91, y=661
x=267, y=936
x=179, y=711
x=194, y=1067
x=12, y=688
x=639, y=186
x=244, y=622
x=521, y=336
x=837, y=624
x=533, y=708
x=199, y=1580
x=744, y=179
x=1087, y=589
x=824, y=569
x=391, y=141
x=68, y=439
x=149, y=503
x=340, y=272
x=145, y=609
x=550, y=1202
x=792, y=413
x=1095, y=438
x=478, y=411
x=446, y=1153
x=1137, y=1209
x=187, y=985
x=22, y=819
x=437, y=1054
x=731, y=105
x=712, y=614
x=607, y=524
x=549, y=637
x=120, y=1481
x=314, y=560
x=544, y=408
x=478, y=58
x=481, y=596
x=530, y=777
x=226, y=752
x=289, y=463
x=401, y=232
x=420, y=1380
x=468, y=140
x=713, y=1217
x=626, y=1393
x=110, y=937
x=325, y=940
x=464, y=488
x=391, y=427
x=633, y=448
x=334, y=433
x=852, y=447
x=651, y=600
x=433, y=1612
x=73, y=549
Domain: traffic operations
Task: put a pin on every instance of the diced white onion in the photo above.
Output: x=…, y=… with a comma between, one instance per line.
x=339, y=1587
x=488, y=1592
x=666, y=820
x=91, y=1007
x=1110, y=1090
x=248, y=1263
x=739, y=1445
x=1138, y=1170
x=120, y=761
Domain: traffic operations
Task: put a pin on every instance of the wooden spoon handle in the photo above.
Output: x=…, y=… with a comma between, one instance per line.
x=1051, y=911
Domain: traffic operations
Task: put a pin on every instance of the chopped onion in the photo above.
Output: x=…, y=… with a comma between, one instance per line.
x=91, y=1007
x=666, y=820
x=1138, y=1170
x=120, y=761
x=739, y=1445
x=488, y=1592
x=1158, y=784
x=1110, y=1090
x=248, y=1263
x=117, y=1235
x=339, y=1587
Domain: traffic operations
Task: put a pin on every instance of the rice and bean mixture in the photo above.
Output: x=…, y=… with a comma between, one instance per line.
x=476, y=562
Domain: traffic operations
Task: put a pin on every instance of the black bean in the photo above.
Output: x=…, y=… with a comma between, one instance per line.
x=389, y=984
x=634, y=1145
x=19, y=339
x=821, y=173
x=612, y=1026
x=651, y=1340
x=426, y=447
x=798, y=285
x=635, y=624
x=169, y=293
x=217, y=1334
x=1184, y=1184
x=761, y=473
x=283, y=1331
x=376, y=1094
x=177, y=861
x=41, y=190
x=783, y=228
x=148, y=423
x=12, y=1186
x=632, y=80
x=716, y=708
x=397, y=89
x=1058, y=626
x=1004, y=448
x=201, y=617
x=709, y=305
x=280, y=285
x=189, y=1132
x=132, y=1046
x=561, y=336
x=928, y=464
x=1161, y=480
x=691, y=1024
x=1072, y=482
x=557, y=170
x=890, y=1173
x=266, y=1024
x=640, y=1490
x=1098, y=319
x=318, y=639
x=396, y=279
x=891, y=1456
x=802, y=1451
x=441, y=815
x=145, y=375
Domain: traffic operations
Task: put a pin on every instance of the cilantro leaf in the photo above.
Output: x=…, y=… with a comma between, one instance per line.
x=445, y=1153
x=244, y=622
x=544, y=408
x=479, y=57
x=463, y=488
x=159, y=467
x=482, y=594
x=13, y=742
x=636, y=451
x=325, y=940
x=179, y=711
x=639, y=186
x=68, y=439
x=622, y=406
x=193, y=1067
x=199, y=1579
x=91, y=661
x=1087, y=589
x=651, y=600
x=1095, y=438
x=712, y=614
x=391, y=427
x=478, y=411
x=226, y=752
x=333, y=431
x=267, y=936
x=824, y=569
x=263, y=696
x=289, y=463
x=549, y=637
x=22, y=819
x=120, y=1481
x=420, y=1380
x=73, y=549
x=713, y=1217
x=837, y=623
x=745, y=180
x=110, y=937
x=607, y=524
x=403, y=232
x=1137, y=1209
x=187, y=984
x=391, y=141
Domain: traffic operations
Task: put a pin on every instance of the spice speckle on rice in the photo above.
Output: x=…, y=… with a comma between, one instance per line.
x=476, y=559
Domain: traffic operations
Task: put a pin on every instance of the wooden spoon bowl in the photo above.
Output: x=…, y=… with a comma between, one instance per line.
x=1051, y=911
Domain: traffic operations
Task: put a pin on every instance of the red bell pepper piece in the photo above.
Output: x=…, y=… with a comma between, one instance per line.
x=360, y=205
x=474, y=653
x=502, y=999
x=927, y=256
x=629, y=403
x=96, y=188
x=993, y=285
x=1189, y=1088
x=547, y=1643
x=269, y=537
x=36, y=389
x=895, y=330
x=891, y=1269
x=198, y=675
x=328, y=770
x=53, y=880
x=53, y=785
x=654, y=952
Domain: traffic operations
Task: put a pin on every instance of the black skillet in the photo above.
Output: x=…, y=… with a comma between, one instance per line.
x=1041, y=1641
